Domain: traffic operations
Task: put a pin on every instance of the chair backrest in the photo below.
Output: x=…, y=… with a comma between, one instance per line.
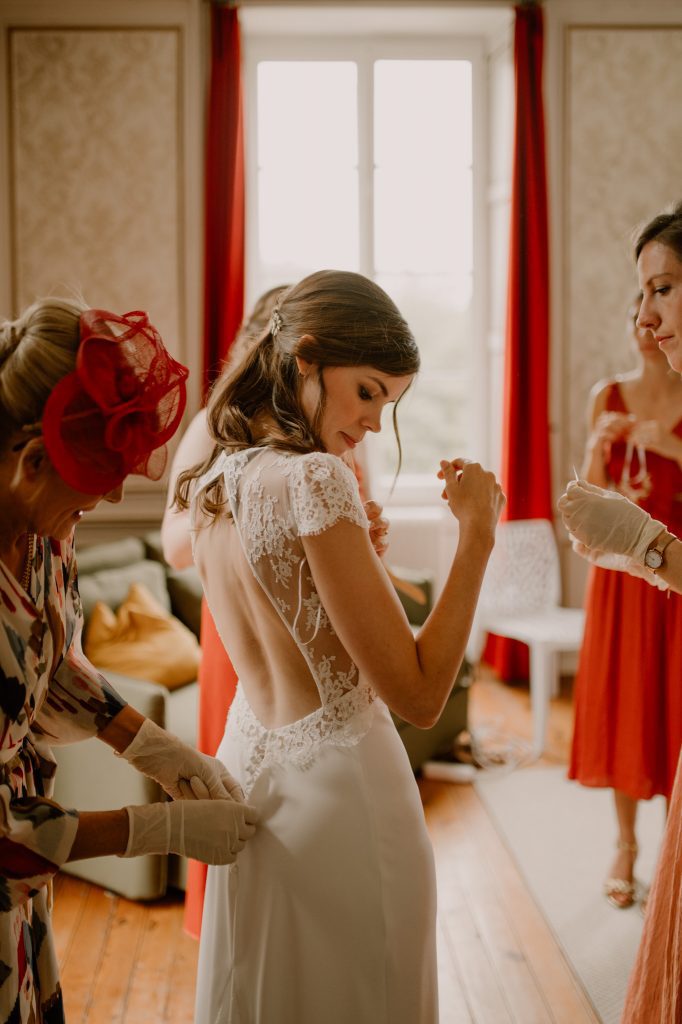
x=523, y=573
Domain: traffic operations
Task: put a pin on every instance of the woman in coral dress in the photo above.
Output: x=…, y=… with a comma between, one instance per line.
x=628, y=700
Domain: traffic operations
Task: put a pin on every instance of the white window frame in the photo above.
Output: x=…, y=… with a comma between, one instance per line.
x=410, y=490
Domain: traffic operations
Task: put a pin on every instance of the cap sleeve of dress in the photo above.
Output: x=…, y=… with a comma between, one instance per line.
x=322, y=491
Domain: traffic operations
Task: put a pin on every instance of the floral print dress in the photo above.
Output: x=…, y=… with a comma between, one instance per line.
x=49, y=694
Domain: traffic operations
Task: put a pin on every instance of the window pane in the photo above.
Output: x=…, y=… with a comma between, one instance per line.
x=437, y=308
x=422, y=220
x=423, y=245
x=435, y=420
x=423, y=158
x=308, y=221
x=307, y=167
x=307, y=110
x=434, y=423
x=422, y=109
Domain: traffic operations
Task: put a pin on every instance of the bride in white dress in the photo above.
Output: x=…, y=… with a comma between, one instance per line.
x=329, y=916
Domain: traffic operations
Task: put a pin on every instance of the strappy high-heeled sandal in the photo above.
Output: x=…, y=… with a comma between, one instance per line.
x=620, y=887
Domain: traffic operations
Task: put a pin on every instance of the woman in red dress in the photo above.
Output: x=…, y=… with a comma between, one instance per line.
x=604, y=528
x=628, y=701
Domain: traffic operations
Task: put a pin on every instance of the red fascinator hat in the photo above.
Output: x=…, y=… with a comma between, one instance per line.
x=114, y=413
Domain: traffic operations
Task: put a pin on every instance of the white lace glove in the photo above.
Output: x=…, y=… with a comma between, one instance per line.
x=605, y=521
x=620, y=563
x=213, y=831
x=183, y=772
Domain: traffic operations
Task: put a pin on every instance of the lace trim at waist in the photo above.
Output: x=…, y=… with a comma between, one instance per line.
x=343, y=722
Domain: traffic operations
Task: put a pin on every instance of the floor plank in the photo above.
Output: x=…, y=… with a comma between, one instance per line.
x=162, y=987
x=86, y=953
x=118, y=962
x=69, y=902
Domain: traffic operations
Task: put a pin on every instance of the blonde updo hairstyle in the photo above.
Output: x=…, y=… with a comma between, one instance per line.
x=36, y=351
x=330, y=318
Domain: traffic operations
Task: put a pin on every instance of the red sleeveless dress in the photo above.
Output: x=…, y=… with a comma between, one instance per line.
x=628, y=697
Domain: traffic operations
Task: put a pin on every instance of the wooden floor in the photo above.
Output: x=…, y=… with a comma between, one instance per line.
x=131, y=963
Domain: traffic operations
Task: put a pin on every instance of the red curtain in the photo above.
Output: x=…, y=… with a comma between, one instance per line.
x=224, y=194
x=526, y=476
x=223, y=314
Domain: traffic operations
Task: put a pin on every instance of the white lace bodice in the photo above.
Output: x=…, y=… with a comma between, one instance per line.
x=275, y=500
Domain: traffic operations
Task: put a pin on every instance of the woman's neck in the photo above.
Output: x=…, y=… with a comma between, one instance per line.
x=13, y=553
x=656, y=377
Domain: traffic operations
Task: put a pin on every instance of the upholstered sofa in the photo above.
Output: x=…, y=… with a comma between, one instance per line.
x=91, y=777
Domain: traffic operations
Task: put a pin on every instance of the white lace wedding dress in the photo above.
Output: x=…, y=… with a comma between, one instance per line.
x=328, y=916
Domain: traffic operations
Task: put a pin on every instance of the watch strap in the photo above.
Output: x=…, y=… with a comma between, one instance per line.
x=660, y=545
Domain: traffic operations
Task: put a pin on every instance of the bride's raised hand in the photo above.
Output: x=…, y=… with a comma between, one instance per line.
x=473, y=494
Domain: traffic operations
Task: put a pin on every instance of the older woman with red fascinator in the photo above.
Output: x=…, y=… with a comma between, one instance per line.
x=86, y=397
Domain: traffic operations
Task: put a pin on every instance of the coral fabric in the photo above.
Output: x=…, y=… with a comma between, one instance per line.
x=217, y=685
x=628, y=699
x=654, y=994
x=525, y=447
x=224, y=199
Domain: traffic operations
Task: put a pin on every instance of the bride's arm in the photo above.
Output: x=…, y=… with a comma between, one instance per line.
x=195, y=447
x=414, y=677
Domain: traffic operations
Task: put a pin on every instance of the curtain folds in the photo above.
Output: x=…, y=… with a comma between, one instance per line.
x=224, y=195
x=526, y=475
x=223, y=314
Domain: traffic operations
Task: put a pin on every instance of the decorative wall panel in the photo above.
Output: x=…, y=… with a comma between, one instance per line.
x=623, y=150
x=96, y=138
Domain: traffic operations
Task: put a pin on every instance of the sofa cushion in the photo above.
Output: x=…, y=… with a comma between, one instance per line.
x=186, y=592
x=142, y=640
x=112, y=585
x=110, y=556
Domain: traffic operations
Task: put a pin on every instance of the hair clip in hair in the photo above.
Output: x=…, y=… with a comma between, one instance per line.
x=276, y=323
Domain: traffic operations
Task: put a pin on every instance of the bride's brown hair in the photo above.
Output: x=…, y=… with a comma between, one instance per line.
x=331, y=318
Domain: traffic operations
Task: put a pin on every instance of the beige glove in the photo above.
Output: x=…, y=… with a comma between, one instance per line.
x=182, y=771
x=620, y=563
x=605, y=521
x=213, y=831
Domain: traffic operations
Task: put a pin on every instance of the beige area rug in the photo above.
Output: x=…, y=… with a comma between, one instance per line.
x=562, y=838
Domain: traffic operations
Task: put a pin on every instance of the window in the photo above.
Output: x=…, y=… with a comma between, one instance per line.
x=362, y=155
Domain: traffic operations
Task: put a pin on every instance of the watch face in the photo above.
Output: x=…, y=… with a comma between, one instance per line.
x=653, y=559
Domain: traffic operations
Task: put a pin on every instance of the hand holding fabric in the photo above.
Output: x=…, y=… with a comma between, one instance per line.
x=650, y=434
x=183, y=772
x=611, y=426
x=473, y=494
x=605, y=521
x=213, y=831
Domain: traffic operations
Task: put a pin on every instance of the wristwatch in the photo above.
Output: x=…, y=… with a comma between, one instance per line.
x=654, y=557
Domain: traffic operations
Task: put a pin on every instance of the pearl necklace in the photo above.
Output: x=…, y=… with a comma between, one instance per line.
x=28, y=564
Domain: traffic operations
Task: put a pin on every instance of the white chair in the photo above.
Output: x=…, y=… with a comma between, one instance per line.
x=520, y=600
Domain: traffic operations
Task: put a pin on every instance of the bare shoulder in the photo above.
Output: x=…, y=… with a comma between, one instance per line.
x=599, y=395
x=599, y=392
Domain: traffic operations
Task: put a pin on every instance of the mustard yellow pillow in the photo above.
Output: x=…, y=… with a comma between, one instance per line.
x=142, y=640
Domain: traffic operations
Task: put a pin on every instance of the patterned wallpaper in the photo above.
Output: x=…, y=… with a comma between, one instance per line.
x=96, y=138
x=623, y=162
